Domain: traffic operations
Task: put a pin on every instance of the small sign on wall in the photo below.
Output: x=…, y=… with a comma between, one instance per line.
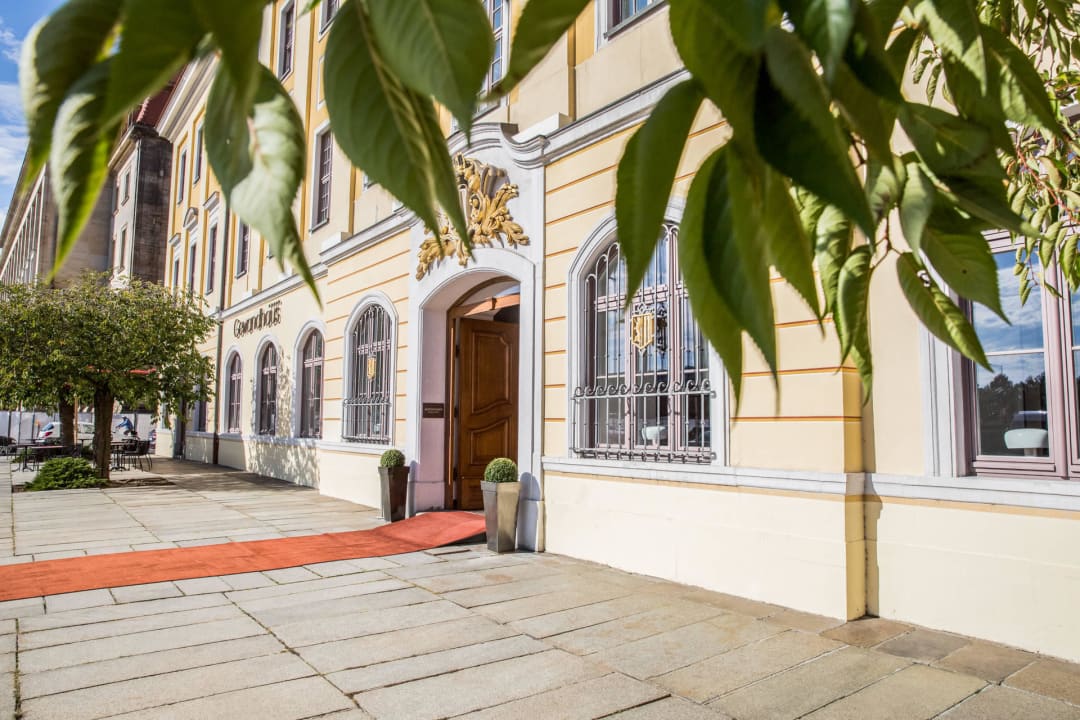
x=434, y=410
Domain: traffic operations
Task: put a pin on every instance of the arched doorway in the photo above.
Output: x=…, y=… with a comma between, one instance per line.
x=483, y=329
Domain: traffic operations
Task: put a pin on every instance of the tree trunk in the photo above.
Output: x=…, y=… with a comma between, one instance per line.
x=103, y=414
x=67, y=419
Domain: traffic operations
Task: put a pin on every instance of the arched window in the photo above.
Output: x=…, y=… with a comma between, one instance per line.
x=267, y=395
x=645, y=387
x=235, y=377
x=370, y=387
x=311, y=382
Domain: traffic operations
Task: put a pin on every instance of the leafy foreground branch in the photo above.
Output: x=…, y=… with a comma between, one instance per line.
x=838, y=159
x=90, y=343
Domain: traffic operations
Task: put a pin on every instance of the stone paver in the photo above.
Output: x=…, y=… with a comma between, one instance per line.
x=867, y=632
x=1050, y=677
x=924, y=645
x=997, y=702
x=990, y=662
x=914, y=693
x=453, y=632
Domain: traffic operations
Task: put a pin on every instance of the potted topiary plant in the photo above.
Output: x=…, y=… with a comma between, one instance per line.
x=394, y=478
x=501, y=489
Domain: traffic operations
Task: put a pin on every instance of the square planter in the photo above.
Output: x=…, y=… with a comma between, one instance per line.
x=395, y=485
x=500, y=514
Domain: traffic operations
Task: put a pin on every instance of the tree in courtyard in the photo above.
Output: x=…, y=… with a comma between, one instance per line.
x=36, y=371
x=832, y=138
x=138, y=345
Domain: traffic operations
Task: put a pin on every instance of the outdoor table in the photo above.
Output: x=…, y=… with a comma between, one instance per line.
x=118, y=454
x=37, y=449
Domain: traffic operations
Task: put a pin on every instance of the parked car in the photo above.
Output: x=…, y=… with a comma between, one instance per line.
x=51, y=432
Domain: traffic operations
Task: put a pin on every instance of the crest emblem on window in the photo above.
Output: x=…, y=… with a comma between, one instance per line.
x=643, y=330
x=485, y=192
x=372, y=367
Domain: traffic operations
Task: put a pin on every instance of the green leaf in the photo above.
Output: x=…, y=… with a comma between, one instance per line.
x=159, y=37
x=728, y=75
x=966, y=264
x=540, y=26
x=1024, y=95
x=79, y=161
x=852, y=303
x=743, y=23
x=385, y=128
x=864, y=113
x=647, y=173
x=937, y=311
x=237, y=26
x=832, y=245
x=825, y=25
x=55, y=54
x=885, y=186
x=916, y=204
x=797, y=133
x=441, y=48
x=977, y=104
x=945, y=142
x=711, y=311
x=259, y=159
x=788, y=246
x=954, y=26
x=733, y=247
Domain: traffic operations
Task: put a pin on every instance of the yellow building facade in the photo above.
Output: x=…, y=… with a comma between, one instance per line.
x=631, y=451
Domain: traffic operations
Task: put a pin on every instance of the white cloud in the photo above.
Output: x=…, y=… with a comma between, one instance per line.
x=10, y=43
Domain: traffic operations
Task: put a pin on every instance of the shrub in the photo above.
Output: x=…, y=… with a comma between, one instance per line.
x=66, y=473
x=501, y=470
x=392, y=459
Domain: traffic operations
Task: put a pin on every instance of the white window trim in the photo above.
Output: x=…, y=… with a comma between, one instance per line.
x=313, y=219
x=197, y=153
x=587, y=252
x=181, y=178
x=348, y=366
x=311, y=326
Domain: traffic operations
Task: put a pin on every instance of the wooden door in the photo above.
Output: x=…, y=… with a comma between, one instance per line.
x=486, y=402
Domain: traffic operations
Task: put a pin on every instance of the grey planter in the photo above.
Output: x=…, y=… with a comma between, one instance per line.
x=395, y=485
x=500, y=514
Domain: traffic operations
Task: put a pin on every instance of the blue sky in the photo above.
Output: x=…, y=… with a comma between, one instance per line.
x=16, y=18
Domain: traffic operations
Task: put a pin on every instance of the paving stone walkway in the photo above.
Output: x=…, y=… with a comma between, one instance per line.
x=461, y=632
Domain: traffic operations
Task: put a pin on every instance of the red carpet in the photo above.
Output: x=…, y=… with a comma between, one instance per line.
x=50, y=577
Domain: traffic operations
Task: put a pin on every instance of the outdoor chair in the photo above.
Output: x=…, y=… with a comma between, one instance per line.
x=134, y=453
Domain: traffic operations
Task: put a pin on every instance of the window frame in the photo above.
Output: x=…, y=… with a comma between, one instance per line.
x=286, y=40
x=1063, y=425
x=364, y=311
x=121, y=256
x=196, y=160
x=681, y=450
x=322, y=178
x=181, y=177
x=243, y=248
x=608, y=28
x=266, y=392
x=193, y=257
x=211, y=257
x=326, y=14
x=127, y=187
x=311, y=388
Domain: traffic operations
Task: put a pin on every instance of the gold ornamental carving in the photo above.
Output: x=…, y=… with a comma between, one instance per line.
x=485, y=193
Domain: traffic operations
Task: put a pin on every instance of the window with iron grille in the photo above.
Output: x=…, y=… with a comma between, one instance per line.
x=325, y=149
x=646, y=390
x=243, y=247
x=311, y=382
x=235, y=388
x=367, y=407
x=267, y=395
x=199, y=419
x=286, y=40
